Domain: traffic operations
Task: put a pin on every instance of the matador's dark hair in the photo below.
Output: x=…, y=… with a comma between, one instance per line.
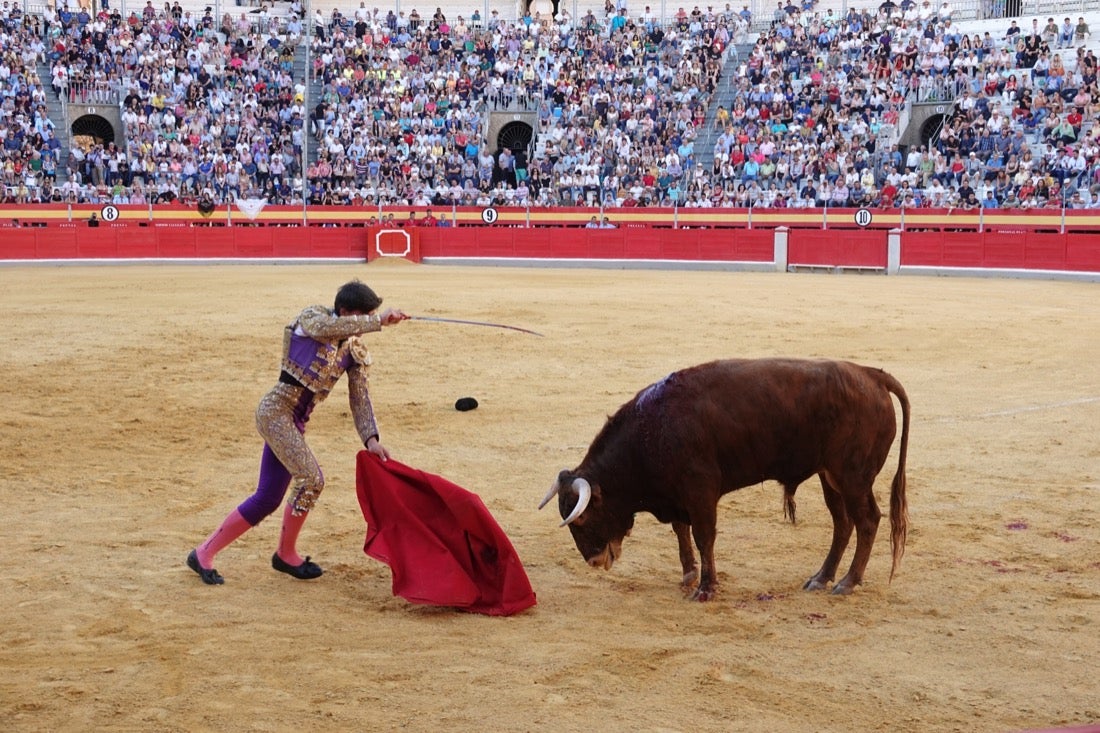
x=356, y=296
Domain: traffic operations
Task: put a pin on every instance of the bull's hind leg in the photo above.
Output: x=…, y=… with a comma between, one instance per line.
x=842, y=532
x=687, y=555
x=865, y=514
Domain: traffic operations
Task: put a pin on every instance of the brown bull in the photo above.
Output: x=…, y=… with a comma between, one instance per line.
x=682, y=443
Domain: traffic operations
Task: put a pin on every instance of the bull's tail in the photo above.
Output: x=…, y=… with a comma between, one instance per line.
x=899, y=506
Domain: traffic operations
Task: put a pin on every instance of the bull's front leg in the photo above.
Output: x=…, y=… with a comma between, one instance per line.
x=687, y=555
x=705, y=529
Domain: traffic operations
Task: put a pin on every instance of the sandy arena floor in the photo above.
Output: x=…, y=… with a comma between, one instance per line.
x=128, y=434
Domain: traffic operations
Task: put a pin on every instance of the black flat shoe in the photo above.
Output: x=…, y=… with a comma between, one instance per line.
x=306, y=571
x=210, y=576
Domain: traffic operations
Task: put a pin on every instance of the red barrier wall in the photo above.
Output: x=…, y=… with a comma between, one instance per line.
x=1034, y=240
x=1021, y=250
x=180, y=241
x=385, y=242
x=817, y=247
x=732, y=245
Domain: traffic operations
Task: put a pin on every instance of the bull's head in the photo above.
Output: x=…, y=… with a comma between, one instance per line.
x=597, y=529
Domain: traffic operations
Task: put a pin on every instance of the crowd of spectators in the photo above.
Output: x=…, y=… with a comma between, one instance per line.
x=818, y=90
x=29, y=150
x=405, y=98
x=211, y=108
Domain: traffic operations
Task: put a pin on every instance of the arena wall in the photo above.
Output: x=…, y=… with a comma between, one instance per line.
x=1048, y=243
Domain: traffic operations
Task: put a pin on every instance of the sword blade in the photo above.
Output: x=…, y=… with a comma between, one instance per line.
x=474, y=323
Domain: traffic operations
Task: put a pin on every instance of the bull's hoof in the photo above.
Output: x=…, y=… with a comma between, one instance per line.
x=816, y=584
x=842, y=589
x=688, y=581
x=703, y=594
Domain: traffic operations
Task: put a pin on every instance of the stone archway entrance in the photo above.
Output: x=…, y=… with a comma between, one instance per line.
x=92, y=129
x=515, y=136
x=930, y=129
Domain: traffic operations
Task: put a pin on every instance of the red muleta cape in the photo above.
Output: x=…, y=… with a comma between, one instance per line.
x=442, y=545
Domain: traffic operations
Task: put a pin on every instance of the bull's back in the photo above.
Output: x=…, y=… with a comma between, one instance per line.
x=781, y=419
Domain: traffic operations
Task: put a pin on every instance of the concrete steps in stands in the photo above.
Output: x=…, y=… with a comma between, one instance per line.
x=313, y=84
x=723, y=96
x=56, y=111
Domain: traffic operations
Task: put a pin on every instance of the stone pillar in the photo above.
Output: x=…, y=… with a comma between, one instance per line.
x=781, y=248
x=893, y=252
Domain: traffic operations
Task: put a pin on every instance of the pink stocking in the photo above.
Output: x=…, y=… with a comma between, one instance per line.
x=233, y=527
x=288, y=536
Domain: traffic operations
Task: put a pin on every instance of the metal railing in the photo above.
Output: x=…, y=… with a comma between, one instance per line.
x=95, y=92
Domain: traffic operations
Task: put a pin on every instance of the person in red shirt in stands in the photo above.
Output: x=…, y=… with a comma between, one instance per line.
x=737, y=157
x=1075, y=118
x=958, y=167
x=888, y=194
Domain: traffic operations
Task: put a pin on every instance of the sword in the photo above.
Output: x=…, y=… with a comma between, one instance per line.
x=474, y=323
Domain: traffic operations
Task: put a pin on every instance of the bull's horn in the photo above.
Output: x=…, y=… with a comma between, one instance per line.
x=584, y=495
x=550, y=494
